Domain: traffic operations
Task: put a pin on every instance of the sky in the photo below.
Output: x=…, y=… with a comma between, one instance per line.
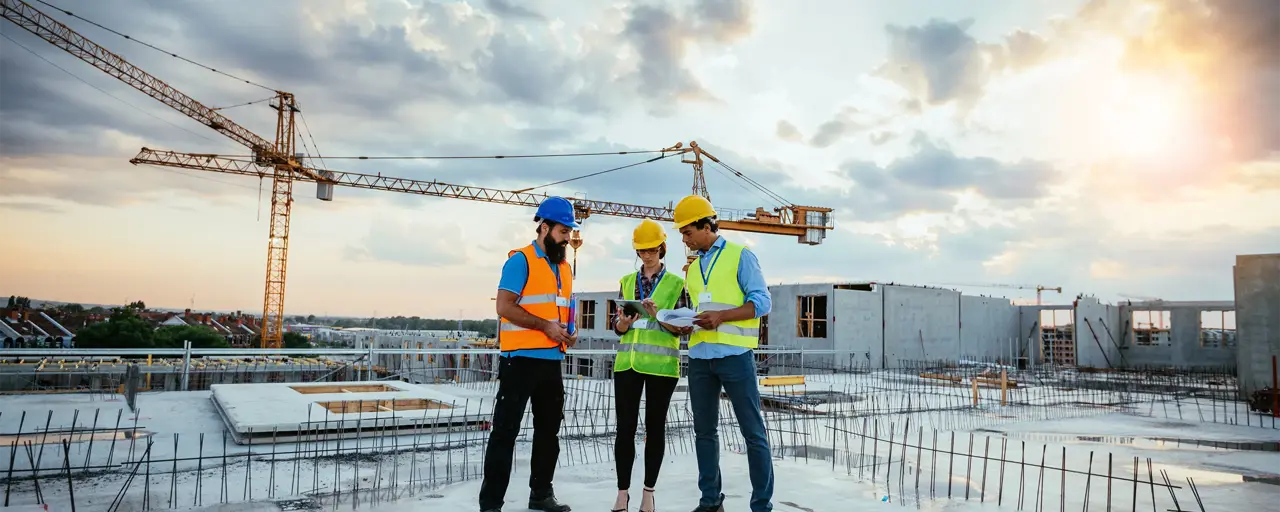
x=1113, y=148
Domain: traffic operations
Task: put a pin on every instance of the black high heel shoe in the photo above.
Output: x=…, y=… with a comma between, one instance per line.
x=655, y=502
x=624, y=509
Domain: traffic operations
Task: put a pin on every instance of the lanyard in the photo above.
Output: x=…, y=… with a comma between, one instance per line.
x=706, y=272
x=654, y=288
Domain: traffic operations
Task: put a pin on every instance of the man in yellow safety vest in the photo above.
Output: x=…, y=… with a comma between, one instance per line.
x=728, y=291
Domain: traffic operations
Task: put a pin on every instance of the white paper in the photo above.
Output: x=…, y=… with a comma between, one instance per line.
x=682, y=317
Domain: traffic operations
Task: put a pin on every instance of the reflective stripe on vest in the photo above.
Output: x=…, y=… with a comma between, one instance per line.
x=647, y=347
x=540, y=298
x=726, y=294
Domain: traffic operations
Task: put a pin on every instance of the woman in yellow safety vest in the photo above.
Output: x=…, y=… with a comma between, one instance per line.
x=648, y=357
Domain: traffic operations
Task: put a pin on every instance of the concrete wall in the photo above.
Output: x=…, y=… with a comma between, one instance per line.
x=785, y=312
x=860, y=324
x=1257, y=294
x=920, y=324
x=887, y=324
x=1184, y=348
x=601, y=328
x=1093, y=346
x=988, y=327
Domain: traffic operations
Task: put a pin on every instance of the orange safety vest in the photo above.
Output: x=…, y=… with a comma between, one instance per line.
x=541, y=298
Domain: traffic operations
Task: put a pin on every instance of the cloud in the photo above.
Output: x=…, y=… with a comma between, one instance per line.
x=940, y=62
x=508, y=8
x=881, y=138
x=442, y=52
x=99, y=181
x=788, y=132
x=842, y=124
x=1233, y=48
x=413, y=243
x=31, y=206
x=726, y=20
x=369, y=82
x=929, y=179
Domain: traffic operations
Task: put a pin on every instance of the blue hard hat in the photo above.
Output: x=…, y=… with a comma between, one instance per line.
x=558, y=210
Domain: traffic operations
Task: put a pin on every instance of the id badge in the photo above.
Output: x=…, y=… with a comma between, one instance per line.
x=642, y=323
x=562, y=302
x=704, y=297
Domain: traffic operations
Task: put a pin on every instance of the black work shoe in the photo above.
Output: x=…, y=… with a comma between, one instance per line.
x=713, y=508
x=491, y=510
x=547, y=503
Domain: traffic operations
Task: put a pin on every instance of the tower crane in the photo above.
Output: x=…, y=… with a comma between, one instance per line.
x=278, y=160
x=1038, y=287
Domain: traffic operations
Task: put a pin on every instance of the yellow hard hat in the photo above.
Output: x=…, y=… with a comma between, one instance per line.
x=648, y=234
x=691, y=209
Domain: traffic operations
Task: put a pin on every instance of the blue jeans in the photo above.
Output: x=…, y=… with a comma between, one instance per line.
x=737, y=375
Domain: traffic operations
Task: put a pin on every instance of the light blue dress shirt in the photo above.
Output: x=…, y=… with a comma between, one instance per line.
x=751, y=281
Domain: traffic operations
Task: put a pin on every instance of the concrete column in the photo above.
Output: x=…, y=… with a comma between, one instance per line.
x=186, y=364
x=1257, y=290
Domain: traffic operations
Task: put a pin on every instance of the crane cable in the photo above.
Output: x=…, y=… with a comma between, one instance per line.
x=597, y=173
x=247, y=103
x=315, y=145
x=476, y=157
x=154, y=47
x=757, y=185
x=462, y=157
x=101, y=90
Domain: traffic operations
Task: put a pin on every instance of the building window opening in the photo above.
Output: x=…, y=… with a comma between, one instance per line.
x=811, y=316
x=1217, y=329
x=1151, y=328
x=1058, y=336
x=586, y=314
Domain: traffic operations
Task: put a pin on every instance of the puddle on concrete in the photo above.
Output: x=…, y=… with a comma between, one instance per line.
x=806, y=452
x=1155, y=443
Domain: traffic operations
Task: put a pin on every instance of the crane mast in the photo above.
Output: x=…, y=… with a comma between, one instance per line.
x=279, y=155
x=278, y=234
x=808, y=224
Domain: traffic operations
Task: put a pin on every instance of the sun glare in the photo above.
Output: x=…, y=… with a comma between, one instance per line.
x=1149, y=118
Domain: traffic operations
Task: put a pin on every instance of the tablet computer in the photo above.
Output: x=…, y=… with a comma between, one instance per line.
x=631, y=307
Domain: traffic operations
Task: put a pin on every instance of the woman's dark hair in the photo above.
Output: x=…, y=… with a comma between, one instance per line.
x=706, y=222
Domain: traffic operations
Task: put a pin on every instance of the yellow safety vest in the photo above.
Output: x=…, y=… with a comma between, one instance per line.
x=647, y=347
x=726, y=294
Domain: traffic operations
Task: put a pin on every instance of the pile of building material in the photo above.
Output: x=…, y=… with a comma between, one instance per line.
x=280, y=412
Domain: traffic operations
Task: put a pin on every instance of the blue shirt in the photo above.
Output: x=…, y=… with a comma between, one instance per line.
x=751, y=281
x=515, y=273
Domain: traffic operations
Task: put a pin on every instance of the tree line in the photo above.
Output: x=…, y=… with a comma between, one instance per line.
x=413, y=323
x=126, y=329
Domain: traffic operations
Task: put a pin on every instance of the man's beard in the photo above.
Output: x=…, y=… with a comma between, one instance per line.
x=555, y=251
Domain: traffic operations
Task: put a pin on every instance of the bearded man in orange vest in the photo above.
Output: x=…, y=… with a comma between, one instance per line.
x=533, y=309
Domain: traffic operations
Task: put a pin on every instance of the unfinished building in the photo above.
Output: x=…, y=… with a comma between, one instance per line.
x=894, y=325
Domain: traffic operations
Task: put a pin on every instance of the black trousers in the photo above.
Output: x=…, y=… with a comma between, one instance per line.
x=522, y=380
x=627, y=387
